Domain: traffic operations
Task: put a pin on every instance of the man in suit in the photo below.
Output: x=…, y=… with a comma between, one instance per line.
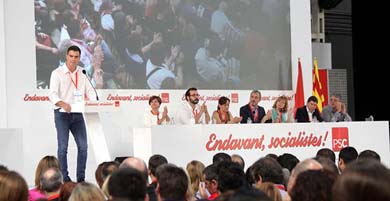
x=252, y=112
x=309, y=112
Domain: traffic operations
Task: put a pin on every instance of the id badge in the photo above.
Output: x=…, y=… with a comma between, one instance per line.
x=78, y=96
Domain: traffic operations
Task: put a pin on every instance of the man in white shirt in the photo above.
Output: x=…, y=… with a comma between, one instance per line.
x=190, y=112
x=68, y=85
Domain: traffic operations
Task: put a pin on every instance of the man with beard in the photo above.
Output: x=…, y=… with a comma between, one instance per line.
x=190, y=112
x=252, y=112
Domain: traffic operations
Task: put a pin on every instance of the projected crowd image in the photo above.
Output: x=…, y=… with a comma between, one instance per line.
x=168, y=44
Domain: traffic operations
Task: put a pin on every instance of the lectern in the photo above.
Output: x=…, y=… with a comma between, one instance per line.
x=95, y=129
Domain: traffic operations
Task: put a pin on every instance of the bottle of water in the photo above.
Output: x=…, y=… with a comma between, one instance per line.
x=249, y=120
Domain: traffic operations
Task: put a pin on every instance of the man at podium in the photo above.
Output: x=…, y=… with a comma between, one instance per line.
x=68, y=88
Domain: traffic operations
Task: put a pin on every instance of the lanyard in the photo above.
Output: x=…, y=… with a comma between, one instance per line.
x=158, y=114
x=255, y=114
x=75, y=83
x=224, y=118
x=195, y=112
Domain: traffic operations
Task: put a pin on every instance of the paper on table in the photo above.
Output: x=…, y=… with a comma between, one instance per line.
x=78, y=107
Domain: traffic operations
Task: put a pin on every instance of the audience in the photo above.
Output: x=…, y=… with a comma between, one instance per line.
x=86, y=191
x=127, y=184
x=51, y=182
x=369, y=154
x=12, y=186
x=346, y=155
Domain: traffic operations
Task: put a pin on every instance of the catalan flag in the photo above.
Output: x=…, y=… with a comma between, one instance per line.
x=318, y=90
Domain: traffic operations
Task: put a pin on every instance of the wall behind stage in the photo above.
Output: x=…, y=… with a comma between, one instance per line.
x=23, y=106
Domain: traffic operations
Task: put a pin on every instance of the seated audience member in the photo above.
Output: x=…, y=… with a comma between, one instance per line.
x=104, y=170
x=3, y=168
x=222, y=115
x=210, y=188
x=269, y=170
x=328, y=166
x=51, y=182
x=288, y=161
x=154, y=116
x=86, y=191
x=309, y=112
x=312, y=185
x=280, y=112
x=336, y=111
x=252, y=112
x=346, y=155
x=308, y=164
x=45, y=163
x=326, y=153
x=154, y=162
x=221, y=156
x=13, y=186
x=190, y=112
x=172, y=183
x=230, y=177
x=369, y=154
x=195, y=172
x=363, y=180
x=239, y=160
x=127, y=184
x=66, y=190
x=271, y=190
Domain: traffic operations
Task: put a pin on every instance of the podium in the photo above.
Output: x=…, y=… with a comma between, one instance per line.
x=95, y=129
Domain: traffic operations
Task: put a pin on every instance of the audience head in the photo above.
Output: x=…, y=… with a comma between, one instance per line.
x=99, y=175
x=66, y=190
x=195, y=172
x=109, y=168
x=239, y=160
x=136, y=163
x=363, y=180
x=271, y=190
x=312, y=185
x=172, y=182
x=273, y=156
x=369, y=154
x=51, y=180
x=211, y=178
x=45, y=163
x=308, y=164
x=13, y=186
x=219, y=157
x=267, y=170
x=154, y=162
x=346, y=155
x=326, y=153
x=328, y=165
x=86, y=191
x=127, y=184
x=288, y=161
x=230, y=176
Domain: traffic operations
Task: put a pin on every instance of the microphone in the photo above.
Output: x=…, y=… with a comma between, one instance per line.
x=85, y=73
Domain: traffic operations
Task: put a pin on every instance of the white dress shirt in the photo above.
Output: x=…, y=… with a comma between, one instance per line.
x=150, y=119
x=185, y=114
x=62, y=87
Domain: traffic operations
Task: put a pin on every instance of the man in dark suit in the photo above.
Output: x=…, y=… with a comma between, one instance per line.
x=252, y=112
x=309, y=112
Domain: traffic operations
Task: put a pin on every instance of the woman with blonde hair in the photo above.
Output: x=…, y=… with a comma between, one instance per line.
x=280, y=112
x=45, y=163
x=86, y=192
x=195, y=172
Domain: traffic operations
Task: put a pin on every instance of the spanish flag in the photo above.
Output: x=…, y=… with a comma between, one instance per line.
x=318, y=90
x=299, y=95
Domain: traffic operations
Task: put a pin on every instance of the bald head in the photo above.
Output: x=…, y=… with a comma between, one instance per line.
x=308, y=164
x=136, y=163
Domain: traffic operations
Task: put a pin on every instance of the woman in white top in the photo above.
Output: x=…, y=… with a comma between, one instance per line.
x=154, y=116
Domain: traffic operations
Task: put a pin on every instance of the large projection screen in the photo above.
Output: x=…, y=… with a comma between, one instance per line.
x=168, y=44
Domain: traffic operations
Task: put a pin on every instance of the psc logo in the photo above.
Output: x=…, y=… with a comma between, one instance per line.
x=165, y=97
x=234, y=97
x=340, y=138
